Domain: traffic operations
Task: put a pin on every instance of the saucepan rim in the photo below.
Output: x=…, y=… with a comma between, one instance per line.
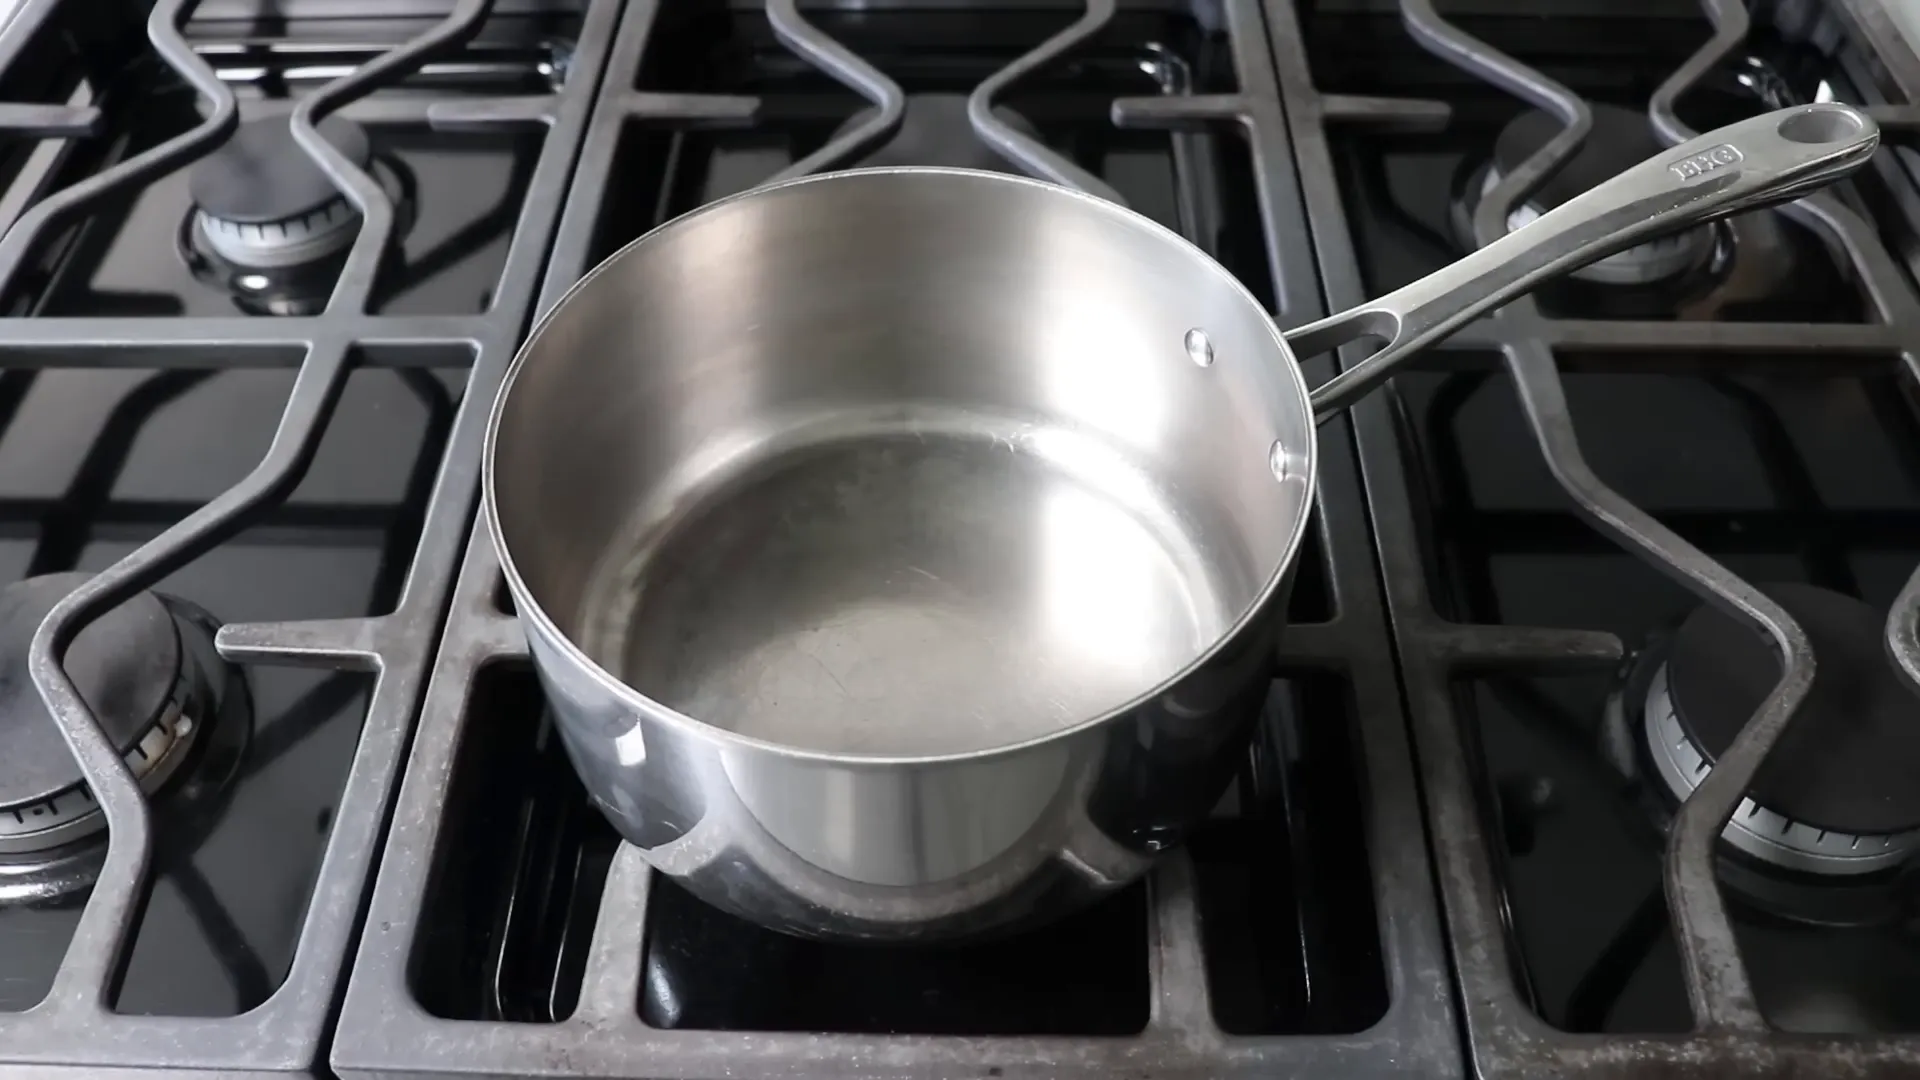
x=527, y=607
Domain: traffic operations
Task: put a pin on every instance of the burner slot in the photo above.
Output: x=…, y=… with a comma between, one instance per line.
x=1722, y=995
x=702, y=100
x=75, y=1024
x=1719, y=1001
x=83, y=488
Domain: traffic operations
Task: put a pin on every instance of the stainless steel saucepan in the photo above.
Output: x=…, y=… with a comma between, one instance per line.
x=903, y=551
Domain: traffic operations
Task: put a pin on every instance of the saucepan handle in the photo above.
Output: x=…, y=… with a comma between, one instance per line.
x=1768, y=159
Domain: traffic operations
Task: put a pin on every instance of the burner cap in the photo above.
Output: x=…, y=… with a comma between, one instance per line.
x=261, y=175
x=1618, y=140
x=125, y=666
x=1848, y=763
x=263, y=202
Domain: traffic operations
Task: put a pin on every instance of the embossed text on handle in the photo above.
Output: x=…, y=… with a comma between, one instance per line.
x=1699, y=165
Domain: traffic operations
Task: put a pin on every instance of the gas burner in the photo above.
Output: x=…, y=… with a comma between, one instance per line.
x=1836, y=797
x=935, y=130
x=268, y=226
x=149, y=671
x=263, y=202
x=1619, y=139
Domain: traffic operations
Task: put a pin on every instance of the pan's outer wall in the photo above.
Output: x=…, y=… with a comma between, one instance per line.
x=1006, y=296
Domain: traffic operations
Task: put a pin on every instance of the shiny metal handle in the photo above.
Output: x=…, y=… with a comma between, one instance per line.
x=1768, y=159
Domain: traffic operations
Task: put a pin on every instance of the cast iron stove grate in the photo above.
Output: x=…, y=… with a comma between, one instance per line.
x=353, y=324
x=1511, y=626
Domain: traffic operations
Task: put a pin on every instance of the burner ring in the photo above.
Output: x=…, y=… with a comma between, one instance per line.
x=1617, y=139
x=262, y=202
x=307, y=238
x=274, y=279
x=1646, y=263
x=71, y=813
x=127, y=665
x=1757, y=831
x=188, y=786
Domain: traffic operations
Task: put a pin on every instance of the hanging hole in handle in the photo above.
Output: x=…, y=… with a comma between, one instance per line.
x=1816, y=125
x=1199, y=347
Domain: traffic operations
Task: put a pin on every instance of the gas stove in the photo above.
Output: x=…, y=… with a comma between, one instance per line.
x=1522, y=801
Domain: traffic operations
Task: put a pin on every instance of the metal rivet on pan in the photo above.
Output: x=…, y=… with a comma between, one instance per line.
x=1277, y=461
x=1200, y=347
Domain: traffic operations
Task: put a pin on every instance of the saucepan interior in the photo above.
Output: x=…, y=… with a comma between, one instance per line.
x=901, y=464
